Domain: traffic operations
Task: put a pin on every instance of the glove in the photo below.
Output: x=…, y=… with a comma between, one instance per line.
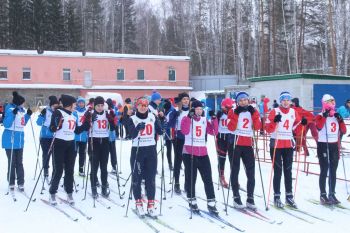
x=219, y=114
x=303, y=121
x=191, y=113
x=278, y=118
x=212, y=114
x=326, y=113
x=178, y=113
x=29, y=112
x=251, y=109
x=94, y=116
x=87, y=116
x=338, y=116
x=15, y=110
x=239, y=109
x=43, y=112
x=56, y=128
x=110, y=116
x=86, y=126
x=140, y=126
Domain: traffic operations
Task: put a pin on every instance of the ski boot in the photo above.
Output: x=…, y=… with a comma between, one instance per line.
x=151, y=210
x=192, y=203
x=81, y=172
x=114, y=171
x=237, y=203
x=333, y=200
x=52, y=199
x=251, y=204
x=277, y=202
x=290, y=201
x=139, y=208
x=212, y=207
x=94, y=193
x=324, y=199
x=177, y=189
x=21, y=187
x=70, y=199
x=222, y=179
x=105, y=191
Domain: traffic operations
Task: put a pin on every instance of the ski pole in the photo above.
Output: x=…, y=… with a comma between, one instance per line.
x=11, y=156
x=117, y=176
x=257, y=155
x=162, y=180
x=271, y=173
x=222, y=187
x=298, y=159
x=36, y=147
x=132, y=178
x=191, y=200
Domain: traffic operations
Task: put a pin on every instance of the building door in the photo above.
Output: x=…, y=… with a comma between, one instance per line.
x=87, y=78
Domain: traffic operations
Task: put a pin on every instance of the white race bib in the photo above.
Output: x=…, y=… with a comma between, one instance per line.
x=145, y=136
x=244, y=125
x=198, y=130
x=330, y=130
x=100, y=127
x=284, y=129
x=68, y=126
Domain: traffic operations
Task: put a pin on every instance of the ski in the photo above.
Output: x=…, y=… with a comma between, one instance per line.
x=75, y=208
x=26, y=195
x=101, y=202
x=13, y=195
x=204, y=217
x=251, y=214
x=146, y=221
x=164, y=224
x=240, y=188
x=292, y=214
x=117, y=193
x=331, y=207
x=113, y=202
x=60, y=210
x=257, y=212
x=308, y=214
x=222, y=220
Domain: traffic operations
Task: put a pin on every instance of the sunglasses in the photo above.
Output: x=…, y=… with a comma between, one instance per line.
x=143, y=105
x=331, y=100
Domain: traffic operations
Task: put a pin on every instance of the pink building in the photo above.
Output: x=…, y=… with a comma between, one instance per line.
x=36, y=76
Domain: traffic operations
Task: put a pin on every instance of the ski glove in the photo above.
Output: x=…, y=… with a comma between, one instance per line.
x=110, y=116
x=278, y=118
x=140, y=126
x=303, y=121
x=43, y=112
x=251, y=109
x=219, y=114
x=212, y=114
x=94, y=116
x=338, y=116
x=15, y=111
x=191, y=113
x=325, y=114
x=239, y=109
x=29, y=112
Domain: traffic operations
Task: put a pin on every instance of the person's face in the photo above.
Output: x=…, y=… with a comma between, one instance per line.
x=243, y=102
x=81, y=104
x=99, y=107
x=54, y=106
x=348, y=104
x=142, y=108
x=72, y=107
x=157, y=101
x=185, y=101
x=286, y=103
x=331, y=101
x=198, y=111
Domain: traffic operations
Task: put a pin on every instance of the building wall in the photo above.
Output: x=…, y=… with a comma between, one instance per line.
x=212, y=82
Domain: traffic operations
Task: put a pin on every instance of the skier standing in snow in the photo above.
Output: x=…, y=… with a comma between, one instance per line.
x=225, y=138
x=330, y=124
x=16, y=118
x=113, y=136
x=81, y=139
x=280, y=124
x=170, y=115
x=243, y=121
x=46, y=135
x=183, y=109
x=143, y=127
x=102, y=122
x=64, y=125
x=195, y=155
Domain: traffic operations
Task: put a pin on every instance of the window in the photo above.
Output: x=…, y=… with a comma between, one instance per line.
x=172, y=74
x=66, y=74
x=3, y=72
x=26, y=73
x=140, y=75
x=120, y=74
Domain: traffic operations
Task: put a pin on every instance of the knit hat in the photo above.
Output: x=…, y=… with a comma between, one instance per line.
x=327, y=105
x=227, y=103
x=296, y=102
x=155, y=96
x=142, y=100
x=17, y=99
x=109, y=102
x=127, y=101
x=182, y=95
x=176, y=100
x=241, y=95
x=53, y=100
x=196, y=104
x=167, y=105
x=285, y=95
x=327, y=97
x=67, y=100
x=99, y=100
x=81, y=99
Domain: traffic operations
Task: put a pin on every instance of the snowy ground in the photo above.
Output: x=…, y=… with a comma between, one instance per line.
x=43, y=218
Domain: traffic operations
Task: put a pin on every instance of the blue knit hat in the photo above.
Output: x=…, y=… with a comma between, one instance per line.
x=155, y=96
x=285, y=95
x=81, y=99
x=241, y=95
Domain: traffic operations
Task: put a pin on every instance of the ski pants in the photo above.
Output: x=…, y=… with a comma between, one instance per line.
x=81, y=149
x=16, y=166
x=179, y=144
x=113, y=153
x=99, y=159
x=168, y=144
x=45, y=144
x=225, y=143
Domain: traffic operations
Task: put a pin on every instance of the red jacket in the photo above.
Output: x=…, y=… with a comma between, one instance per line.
x=271, y=127
x=303, y=113
x=232, y=125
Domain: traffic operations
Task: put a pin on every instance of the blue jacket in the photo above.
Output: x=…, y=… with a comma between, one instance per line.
x=45, y=131
x=171, y=119
x=172, y=123
x=18, y=136
x=344, y=111
x=82, y=137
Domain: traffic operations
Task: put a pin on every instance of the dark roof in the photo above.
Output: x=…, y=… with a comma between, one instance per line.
x=298, y=76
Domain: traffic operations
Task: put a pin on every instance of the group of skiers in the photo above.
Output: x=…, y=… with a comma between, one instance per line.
x=70, y=127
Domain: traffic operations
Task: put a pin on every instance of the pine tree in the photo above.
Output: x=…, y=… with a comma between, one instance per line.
x=56, y=28
x=4, y=24
x=93, y=25
x=73, y=27
x=40, y=24
x=16, y=32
